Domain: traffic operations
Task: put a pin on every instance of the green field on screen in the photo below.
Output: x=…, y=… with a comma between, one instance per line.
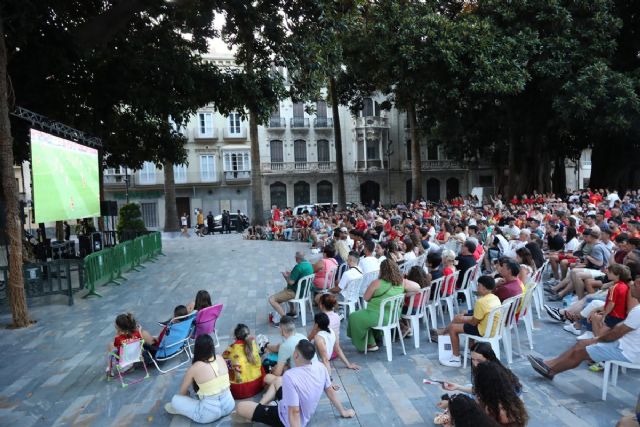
x=65, y=179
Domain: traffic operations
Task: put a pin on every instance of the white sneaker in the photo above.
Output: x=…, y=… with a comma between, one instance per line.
x=170, y=409
x=572, y=329
x=586, y=336
x=453, y=362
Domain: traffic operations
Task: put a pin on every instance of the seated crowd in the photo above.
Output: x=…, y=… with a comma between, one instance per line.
x=488, y=258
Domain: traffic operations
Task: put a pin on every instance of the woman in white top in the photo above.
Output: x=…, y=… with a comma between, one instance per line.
x=324, y=340
x=572, y=240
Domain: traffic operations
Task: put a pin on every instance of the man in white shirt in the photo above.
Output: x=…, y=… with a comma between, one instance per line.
x=612, y=198
x=352, y=273
x=621, y=342
x=369, y=262
x=511, y=230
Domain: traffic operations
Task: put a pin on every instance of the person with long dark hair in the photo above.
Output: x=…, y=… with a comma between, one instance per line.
x=466, y=412
x=495, y=393
x=246, y=373
x=209, y=377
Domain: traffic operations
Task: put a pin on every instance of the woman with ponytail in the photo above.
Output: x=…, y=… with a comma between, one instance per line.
x=245, y=368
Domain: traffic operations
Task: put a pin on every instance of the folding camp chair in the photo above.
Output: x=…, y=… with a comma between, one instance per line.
x=206, y=323
x=174, y=342
x=124, y=358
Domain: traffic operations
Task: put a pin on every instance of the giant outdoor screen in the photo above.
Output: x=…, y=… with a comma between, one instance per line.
x=65, y=178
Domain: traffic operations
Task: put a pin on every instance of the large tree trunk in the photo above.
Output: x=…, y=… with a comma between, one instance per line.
x=559, y=183
x=416, y=158
x=607, y=171
x=257, y=207
x=337, y=136
x=170, y=208
x=16, y=295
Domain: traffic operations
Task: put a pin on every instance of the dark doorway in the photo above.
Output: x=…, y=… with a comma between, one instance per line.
x=301, y=193
x=183, y=205
x=453, y=188
x=278, y=194
x=433, y=190
x=370, y=193
x=408, y=189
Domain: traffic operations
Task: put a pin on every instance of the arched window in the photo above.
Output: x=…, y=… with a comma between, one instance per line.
x=278, y=192
x=301, y=193
x=277, y=155
x=324, y=157
x=325, y=192
x=300, y=154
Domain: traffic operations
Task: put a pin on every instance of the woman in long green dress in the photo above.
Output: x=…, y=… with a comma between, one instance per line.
x=390, y=283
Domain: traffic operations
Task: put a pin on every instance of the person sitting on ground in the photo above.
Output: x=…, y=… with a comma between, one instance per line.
x=322, y=268
x=619, y=343
x=126, y=329
x=466, y=412
x=299, y=394
x=326, y=304
x=472, y=325
x=324, y=339
x=509, y=285
x=389, y=284
x=246, y=373
x=209, y=377
x=494, y=392
x=290, y=338
x=302, y=269
x=632, y=420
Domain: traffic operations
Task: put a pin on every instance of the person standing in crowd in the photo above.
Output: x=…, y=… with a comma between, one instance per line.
x=226, y=222
x=210, y=223
x=200, y=221
x=184, y=222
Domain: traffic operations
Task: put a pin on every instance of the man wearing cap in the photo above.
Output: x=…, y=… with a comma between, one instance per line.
x=302, y=268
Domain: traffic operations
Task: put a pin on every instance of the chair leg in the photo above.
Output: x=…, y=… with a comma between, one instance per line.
x=216, y=339
x=404, y=351
x=528, y=324
x=366, y=342
x=605, y=379
x=433, y=314
x=303, y=313
x=415, y=328
x=508, y=345
x=518, y=340
x=387, y=343
x=465, y=351
x=614, y=374
x=538, y=298
x=450, y=309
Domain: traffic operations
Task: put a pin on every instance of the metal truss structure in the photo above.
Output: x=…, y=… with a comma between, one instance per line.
x=57, y=128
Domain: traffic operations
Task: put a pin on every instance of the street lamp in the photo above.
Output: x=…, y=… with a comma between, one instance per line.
x=126, y=184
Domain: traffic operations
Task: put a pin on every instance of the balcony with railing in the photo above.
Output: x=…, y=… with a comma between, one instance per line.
x=236, y=134
x=237, y=176
x=277, y=123
x=298, y=167
x=372, y=122
x=180, y=179
x=371, y=165
x=323, y=123
x=114, y=180
x=436, y=165
x=205, y=135
x=299, y=123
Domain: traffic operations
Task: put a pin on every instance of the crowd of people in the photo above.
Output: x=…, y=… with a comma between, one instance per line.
x=587, y=244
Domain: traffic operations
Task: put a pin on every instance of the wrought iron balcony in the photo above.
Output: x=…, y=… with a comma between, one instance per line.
x=372, y=122
x=298, y=167
x=323, y=123
x=277, y=123
x=299, y=123
x=236, y=176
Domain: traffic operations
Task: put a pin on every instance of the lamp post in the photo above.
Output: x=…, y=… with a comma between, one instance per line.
x=388, y=152
x=126, y=184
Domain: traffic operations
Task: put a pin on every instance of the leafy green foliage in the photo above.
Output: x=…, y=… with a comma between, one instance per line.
x=130, y=218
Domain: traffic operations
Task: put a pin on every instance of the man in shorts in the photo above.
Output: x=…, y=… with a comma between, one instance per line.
x=302, y=268
x=620, y=343
x=299, y=394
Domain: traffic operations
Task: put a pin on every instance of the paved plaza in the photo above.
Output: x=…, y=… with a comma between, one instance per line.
x=53, y=373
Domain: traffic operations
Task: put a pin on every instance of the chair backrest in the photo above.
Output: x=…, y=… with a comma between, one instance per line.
x=467, y=278
x=421, y=260
x=206, y=320
x=304, y=286
x=525, y=306
x=176, y=336
x=351, y=292
x=436, y=285
x=367, y=279
x=498, y=314
x=537, y=276
x=391, y=305
x=330, y=278
x=419, y=299
x=514, y=310
x=449, y=287
x=129, y=352
x=341, y=269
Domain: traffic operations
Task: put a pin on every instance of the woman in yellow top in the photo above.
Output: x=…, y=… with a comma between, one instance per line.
x=210, y=379
x=246, y=372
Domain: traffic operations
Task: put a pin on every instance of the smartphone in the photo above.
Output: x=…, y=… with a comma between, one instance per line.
x=432, y=381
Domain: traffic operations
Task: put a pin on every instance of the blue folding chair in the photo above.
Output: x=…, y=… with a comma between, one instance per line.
x=174, y=342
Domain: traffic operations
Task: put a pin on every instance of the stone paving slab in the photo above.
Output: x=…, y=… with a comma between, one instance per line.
x=53, y=372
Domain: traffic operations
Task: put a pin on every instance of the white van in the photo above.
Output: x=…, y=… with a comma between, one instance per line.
x=299, y=210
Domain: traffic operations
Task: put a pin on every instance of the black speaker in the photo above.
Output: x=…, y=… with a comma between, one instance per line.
x=109, y=208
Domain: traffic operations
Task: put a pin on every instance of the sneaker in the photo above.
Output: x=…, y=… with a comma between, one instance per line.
x=572, y=329
x=276, y=324
x=170, y=409
x=586, y=336
x=596, y=367
x=453, y=362
x=540, y=367
x=293, y=315
x=373, y=348
x=554, y=313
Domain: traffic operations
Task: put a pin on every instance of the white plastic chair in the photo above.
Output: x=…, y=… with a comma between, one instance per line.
x=510, y=323
x=611, y=366
x=303, y=296
x=351, y=295
x=434, y=306
x=364, y=284
x=465, y=287
x=341, y=269
x=450, y=296
x=420, y=298
x=498, y=314
x=329, y=280
x=538, y=296
x=526, y=313
x=392, y=305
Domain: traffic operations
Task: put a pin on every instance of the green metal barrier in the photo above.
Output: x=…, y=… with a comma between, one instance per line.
x=109, y=265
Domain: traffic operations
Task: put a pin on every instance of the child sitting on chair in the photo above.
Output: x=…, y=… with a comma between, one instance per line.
x=151, y=342
x=126, y=329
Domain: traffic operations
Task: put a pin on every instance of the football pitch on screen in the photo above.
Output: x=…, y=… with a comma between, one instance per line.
x=65, y=179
